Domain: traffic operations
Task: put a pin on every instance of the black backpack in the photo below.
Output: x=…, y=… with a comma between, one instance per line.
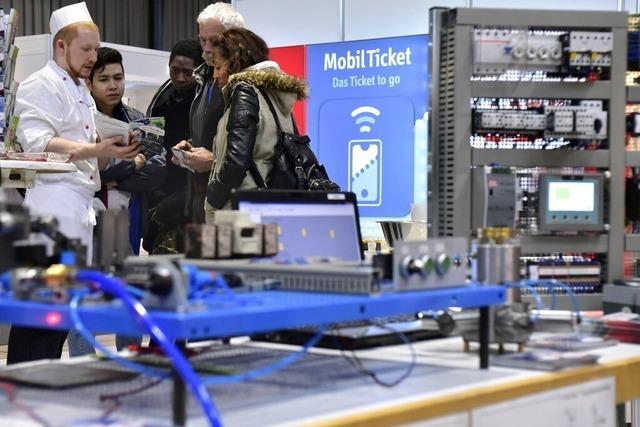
x=295, y=166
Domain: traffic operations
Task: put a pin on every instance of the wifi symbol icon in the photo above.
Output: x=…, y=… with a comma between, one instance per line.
x=365, y=116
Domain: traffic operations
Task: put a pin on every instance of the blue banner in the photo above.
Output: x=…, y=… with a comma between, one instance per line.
x=367, y=119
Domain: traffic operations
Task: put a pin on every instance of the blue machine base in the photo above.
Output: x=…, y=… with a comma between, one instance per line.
x=248, y=313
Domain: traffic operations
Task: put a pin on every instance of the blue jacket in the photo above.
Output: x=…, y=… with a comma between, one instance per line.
x=140, y=184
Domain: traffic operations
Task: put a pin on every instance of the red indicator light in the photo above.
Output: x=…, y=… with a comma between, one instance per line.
x=53, y=318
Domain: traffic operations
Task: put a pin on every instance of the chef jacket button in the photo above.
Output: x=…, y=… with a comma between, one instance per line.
x=86, y=126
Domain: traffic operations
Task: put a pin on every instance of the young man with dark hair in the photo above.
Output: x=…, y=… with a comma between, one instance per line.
x=125, y=184
x=173, y=101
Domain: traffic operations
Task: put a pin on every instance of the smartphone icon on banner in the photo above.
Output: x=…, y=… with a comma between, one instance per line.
x=365, y=171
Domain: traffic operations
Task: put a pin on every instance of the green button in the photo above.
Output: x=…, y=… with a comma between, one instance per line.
x=427, y=265
x=443, y=264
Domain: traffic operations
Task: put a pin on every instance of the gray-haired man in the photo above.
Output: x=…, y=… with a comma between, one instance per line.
x=207, y=107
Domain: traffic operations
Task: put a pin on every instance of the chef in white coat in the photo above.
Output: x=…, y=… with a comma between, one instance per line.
x=56, y=114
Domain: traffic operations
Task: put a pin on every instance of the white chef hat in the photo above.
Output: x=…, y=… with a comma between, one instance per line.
x=68, y=15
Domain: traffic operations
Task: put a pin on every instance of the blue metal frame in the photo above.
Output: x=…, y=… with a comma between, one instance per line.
x=248, y=313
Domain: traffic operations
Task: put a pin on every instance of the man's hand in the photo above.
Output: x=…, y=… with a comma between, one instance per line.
x=200, y=159
x=102, y=149
x=139, y=161
x=111, y=147
x=183, y=145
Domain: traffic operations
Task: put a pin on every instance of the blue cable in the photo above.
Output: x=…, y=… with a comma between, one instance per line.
x=552, y=283
x=200, y=282
x=5, y=280
x=135, y=291
x=180, y=363
x=265, y=370
x=534, y=292
x=78, y=324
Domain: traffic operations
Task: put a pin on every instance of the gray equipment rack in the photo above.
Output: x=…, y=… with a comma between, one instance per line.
x=452, y=156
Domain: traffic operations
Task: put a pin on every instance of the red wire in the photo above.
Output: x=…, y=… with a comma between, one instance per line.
x=9, y=389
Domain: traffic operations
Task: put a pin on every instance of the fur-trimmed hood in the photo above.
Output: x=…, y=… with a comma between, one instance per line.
x=267, y=75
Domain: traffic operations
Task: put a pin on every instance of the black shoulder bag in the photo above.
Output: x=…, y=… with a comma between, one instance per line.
x=295, y=166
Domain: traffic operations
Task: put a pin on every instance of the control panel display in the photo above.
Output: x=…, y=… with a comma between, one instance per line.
x=567, y=196
x=571, y=202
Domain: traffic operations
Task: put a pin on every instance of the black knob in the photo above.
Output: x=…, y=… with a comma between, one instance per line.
x=597, y=125
x=414, y=267
x=161, y=281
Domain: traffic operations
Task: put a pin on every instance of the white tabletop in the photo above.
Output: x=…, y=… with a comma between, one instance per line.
x=39, y=167
x=311, y=393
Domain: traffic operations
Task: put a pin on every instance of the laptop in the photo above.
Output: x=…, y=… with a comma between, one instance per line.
x=315, y=224
x=311, y=224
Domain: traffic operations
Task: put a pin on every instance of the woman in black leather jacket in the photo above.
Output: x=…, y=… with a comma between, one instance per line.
x=247, y=130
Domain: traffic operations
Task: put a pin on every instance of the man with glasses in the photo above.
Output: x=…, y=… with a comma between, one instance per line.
x=207, y=107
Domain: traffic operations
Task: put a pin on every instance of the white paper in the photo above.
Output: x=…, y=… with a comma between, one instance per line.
x=181, y=157
x=108, y=127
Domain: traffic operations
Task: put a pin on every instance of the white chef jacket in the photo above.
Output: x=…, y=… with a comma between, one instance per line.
x=50, y=104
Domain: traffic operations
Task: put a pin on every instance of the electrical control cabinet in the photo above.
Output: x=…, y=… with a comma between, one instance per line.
x=536, y=92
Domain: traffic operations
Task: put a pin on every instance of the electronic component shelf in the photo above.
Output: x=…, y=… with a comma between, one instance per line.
x=471, y=78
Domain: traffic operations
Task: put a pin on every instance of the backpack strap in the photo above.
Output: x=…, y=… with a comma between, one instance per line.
x=275, y=116
x=253, y=168
x=255, y=174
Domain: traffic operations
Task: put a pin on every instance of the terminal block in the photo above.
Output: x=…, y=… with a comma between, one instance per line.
x=576, y=122
x=585, y=121
x=586, y=50
x=499, y=50
x=562, y=53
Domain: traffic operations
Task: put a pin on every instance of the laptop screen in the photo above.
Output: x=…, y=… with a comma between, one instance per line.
x=310, y=223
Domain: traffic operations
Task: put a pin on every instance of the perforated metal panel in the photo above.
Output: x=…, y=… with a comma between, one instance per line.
x=446, y=134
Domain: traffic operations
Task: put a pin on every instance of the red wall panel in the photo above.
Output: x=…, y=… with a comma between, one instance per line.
x=292, y=60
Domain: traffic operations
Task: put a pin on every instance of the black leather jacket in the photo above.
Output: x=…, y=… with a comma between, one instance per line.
x=206, y=110
x=241, y=138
